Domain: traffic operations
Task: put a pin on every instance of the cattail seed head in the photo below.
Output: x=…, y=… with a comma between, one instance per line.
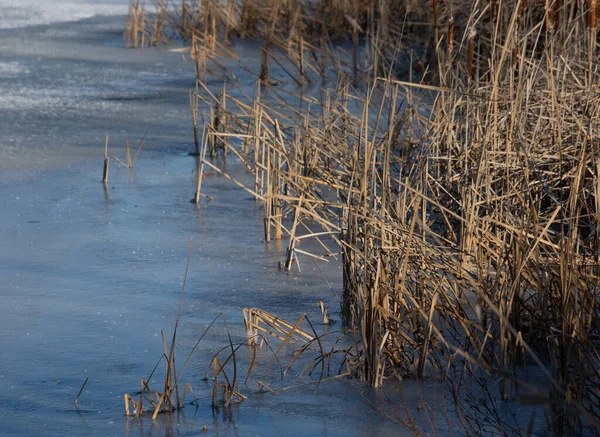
x=549, y=15
x=592, y=14
x=470, y=52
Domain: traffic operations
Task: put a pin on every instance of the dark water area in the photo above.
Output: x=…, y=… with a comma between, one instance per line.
x=90, y=276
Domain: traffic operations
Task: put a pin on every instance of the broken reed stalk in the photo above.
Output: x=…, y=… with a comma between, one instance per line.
x=265, y=52
x=267, y=175
x=355, y=39
x=106, y=163
x=592, y=18
x=142, y=142
x=200, y=171
x=128, y=151
x=301, y=74
x=436, y=18
x=135, y=32
x=292, y=244
x=194, y=111
x=81, y=391
x=159, y=23
x=257, y=320
x=129, y=160
x=217, y=117
x=326, y=319
x=277, y=203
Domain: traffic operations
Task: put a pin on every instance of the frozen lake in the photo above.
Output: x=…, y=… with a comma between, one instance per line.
x=22, y=13
x=89, y=277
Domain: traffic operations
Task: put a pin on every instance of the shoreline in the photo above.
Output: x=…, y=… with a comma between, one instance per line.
x=96, y=276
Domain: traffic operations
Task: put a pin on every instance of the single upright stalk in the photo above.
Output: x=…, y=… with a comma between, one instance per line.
x=106, y=163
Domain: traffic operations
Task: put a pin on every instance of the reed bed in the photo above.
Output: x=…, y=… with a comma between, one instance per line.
x=455, y=172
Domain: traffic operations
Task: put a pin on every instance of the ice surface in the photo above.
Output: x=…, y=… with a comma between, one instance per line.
x=22, y=13
x=12, y=69
x=90, y=276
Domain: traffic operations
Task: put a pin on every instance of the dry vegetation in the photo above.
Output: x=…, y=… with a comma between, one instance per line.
x=451, y=158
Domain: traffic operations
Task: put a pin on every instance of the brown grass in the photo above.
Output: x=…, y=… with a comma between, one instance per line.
x=465, y=209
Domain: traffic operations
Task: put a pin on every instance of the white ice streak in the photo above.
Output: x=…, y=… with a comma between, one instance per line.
x=24, y=13
x=12, y=69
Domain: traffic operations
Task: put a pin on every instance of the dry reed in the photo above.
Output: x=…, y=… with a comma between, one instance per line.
x=465, y=209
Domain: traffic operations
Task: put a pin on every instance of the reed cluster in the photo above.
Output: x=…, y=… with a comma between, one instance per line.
x=143, y=29
x=462, y=192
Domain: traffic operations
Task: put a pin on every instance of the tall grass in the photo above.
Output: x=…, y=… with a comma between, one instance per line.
x=463, y=195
